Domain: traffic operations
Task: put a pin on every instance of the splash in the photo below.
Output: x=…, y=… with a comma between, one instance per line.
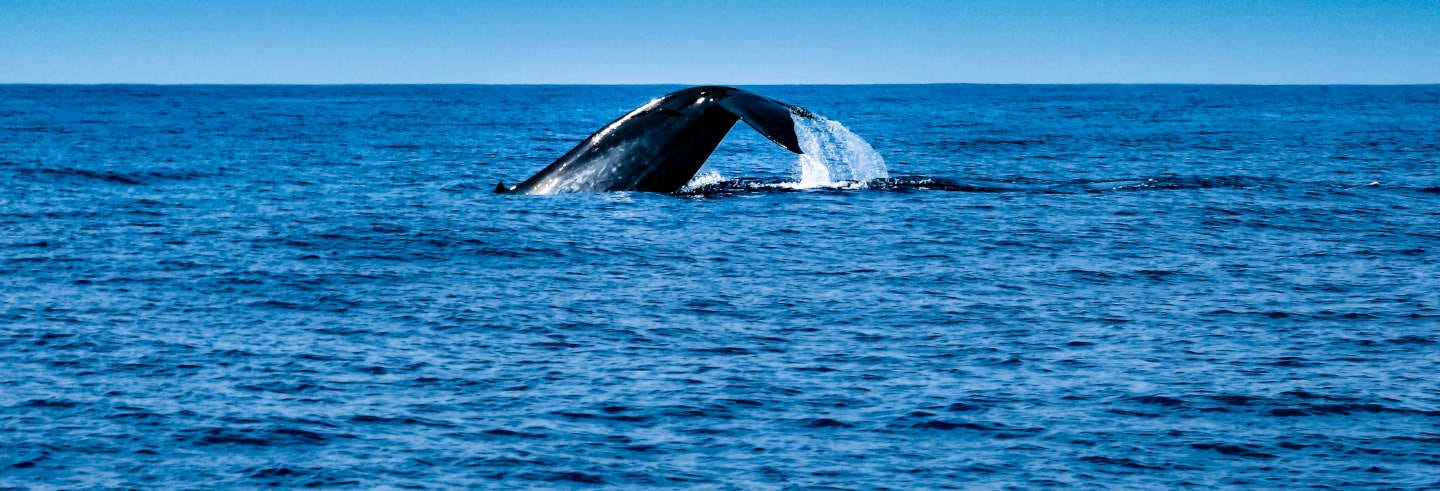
x=700, y=181
x=834, y=156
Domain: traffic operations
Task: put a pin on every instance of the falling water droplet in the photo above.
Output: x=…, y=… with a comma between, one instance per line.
x=834, y=156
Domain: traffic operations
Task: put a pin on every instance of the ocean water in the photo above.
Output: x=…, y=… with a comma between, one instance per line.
x=1056, y=286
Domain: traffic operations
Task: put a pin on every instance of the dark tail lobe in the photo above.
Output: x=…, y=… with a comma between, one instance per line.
x=768, y=116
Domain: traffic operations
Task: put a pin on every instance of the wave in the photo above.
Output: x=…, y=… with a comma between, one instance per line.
x=133, y=178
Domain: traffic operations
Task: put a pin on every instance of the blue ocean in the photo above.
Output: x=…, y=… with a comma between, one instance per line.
x=1126, y=286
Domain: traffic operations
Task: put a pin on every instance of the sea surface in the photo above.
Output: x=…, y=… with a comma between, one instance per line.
x=1049, y=286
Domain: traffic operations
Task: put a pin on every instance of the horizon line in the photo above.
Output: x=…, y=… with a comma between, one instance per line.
x=771, y=84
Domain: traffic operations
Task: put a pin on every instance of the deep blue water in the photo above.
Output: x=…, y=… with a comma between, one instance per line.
x=1127, y=286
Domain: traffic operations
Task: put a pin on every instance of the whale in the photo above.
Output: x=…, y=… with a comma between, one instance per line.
x=658, y=147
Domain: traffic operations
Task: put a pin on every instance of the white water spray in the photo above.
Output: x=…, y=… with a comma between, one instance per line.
x=701, y=180
x=834, y=156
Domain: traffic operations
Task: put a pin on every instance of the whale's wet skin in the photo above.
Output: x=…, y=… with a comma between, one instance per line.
x=1048, y=286
x=661, y=145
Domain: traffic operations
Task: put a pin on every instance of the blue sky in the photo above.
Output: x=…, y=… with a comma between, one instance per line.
x=731, y=42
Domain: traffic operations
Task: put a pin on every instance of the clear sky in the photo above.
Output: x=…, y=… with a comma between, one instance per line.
x=730, y=42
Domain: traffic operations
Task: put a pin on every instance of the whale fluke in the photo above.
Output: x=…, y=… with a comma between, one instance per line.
x=767, y=116
x=662, y=144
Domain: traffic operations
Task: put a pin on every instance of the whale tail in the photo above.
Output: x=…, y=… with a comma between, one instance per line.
x=768, y=116
x=662, y=144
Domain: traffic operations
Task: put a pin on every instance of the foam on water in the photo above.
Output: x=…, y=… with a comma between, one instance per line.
x=701, y=180
x=834, y=156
